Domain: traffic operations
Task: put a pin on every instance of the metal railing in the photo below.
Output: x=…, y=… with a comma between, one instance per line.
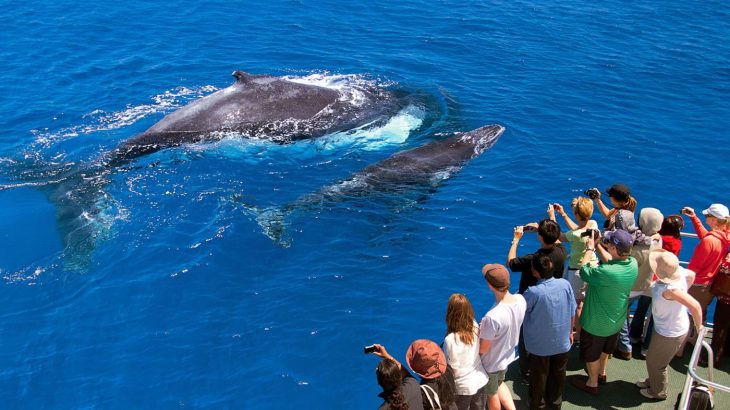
x=692, y=371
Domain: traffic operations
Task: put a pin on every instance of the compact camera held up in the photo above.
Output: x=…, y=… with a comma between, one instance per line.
x=593, y=233
x=593, y=193
x=371, y=349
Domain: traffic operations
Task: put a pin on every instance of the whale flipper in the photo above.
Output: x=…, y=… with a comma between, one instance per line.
x=271, y=220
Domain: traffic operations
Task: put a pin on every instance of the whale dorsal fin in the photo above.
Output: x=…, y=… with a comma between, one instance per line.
x=242, y=77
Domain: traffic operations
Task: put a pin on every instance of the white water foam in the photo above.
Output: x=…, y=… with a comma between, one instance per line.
x=350, y=86
x=365, y=138
x=100, y=120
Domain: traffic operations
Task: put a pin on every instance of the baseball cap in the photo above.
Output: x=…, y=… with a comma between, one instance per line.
x=619, y=191
x=621, y=239
x=497, y=276
x=719, y=211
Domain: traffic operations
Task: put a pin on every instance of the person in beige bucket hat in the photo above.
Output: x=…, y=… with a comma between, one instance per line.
x=670, y=303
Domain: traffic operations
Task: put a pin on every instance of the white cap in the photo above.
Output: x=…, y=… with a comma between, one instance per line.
x=717, y=210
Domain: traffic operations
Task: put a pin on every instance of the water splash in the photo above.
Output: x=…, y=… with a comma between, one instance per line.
x=100, y=120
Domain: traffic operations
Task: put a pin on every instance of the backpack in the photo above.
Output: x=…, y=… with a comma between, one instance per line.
x=432, y=400
x=700, y=398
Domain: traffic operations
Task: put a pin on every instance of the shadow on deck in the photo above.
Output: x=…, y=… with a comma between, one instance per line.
x=620, y=392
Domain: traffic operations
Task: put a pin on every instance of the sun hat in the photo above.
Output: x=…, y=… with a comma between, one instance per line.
x=496, y=275
x=621, y=239
x=619, y=191
x=665, y=265
x=426, y=359
x=719, y=211
x=650, y=220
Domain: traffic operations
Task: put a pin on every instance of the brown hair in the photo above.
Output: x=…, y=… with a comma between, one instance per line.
x=582, y=207
x=460, y=318
x=629, y=204
x=672, y=226
x=390, y=378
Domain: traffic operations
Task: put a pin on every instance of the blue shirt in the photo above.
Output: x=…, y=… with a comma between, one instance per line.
x=550, y=309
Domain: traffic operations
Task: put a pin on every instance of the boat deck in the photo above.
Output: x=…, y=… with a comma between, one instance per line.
x=620, y=392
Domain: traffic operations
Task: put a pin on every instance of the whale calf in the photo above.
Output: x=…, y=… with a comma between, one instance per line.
x=424, y=167
x=262, y=107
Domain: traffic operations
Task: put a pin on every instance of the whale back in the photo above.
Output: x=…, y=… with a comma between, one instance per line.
x=250, y=100
x=260, y=107
x=422, y=163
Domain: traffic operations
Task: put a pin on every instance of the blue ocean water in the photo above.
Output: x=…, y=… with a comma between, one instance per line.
x=185, y=303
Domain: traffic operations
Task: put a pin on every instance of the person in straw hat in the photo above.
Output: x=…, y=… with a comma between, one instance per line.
x=670, y=303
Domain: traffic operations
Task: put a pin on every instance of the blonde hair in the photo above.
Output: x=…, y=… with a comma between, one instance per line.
x=460, y=318
x=582, y=207
x=723, y=224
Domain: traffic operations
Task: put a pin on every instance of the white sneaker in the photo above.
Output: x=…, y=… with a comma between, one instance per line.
x=642, y=384
x=646, y=393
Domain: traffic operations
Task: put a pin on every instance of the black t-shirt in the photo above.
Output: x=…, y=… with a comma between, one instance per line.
x=523, y=264
x=411, y=391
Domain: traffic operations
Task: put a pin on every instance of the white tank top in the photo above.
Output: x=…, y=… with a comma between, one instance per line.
x=670, y=317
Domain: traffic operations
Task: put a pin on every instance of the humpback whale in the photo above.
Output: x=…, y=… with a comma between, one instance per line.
x=420, y=169
x=278, y=109
x=262, y=107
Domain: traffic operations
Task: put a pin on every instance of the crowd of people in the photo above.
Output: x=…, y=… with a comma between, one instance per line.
x=574, y=297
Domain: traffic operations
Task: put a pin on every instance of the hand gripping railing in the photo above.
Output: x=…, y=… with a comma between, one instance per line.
x=692, y=370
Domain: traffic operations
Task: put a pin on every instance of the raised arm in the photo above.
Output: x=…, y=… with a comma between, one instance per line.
x=568, y=222
x=385, y=355
x=696, y=222
x=517, y=234
x=601, y=206
x=691, y=303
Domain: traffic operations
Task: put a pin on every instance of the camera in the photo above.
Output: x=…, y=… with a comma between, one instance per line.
x=528, y=228
x=371, y=349
x=592, y=193
x=593, y=233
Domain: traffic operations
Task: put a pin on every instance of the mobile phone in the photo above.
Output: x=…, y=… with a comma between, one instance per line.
x=528, y=228
x=371, y=349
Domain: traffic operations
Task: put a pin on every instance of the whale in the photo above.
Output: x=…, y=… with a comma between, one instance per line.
x=418, y=170
x=277, y=109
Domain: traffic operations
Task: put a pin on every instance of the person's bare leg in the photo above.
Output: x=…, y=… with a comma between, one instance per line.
x=505, y=397
x=602, y=363
x=578, y=311
x=493, y=402
x=593, y=371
